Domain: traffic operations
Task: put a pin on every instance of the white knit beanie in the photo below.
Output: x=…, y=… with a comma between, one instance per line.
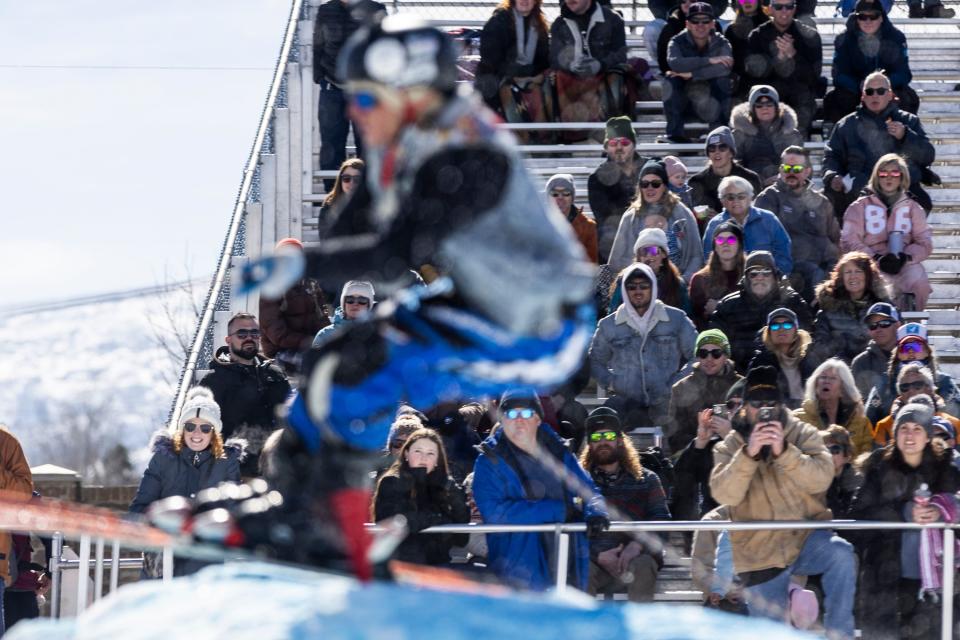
x=651, y=237
x=357, y=288
x=200, y=404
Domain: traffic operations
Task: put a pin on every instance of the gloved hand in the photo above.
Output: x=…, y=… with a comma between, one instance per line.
x=587, y=67
x=891, y=263
x=419, y=475
x=597, y=525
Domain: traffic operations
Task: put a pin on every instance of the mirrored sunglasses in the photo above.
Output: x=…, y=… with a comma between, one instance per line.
x=608, y=436
x=782, y=326
x=619, y=142
x=912, y=347
x=730, y=240
x=792, y=168
x=889, y=174
x=650, y=251
x=515, y=414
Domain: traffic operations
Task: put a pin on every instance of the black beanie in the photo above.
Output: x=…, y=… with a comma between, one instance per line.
x=522, y=398
x=762, y=384
x=655, y=167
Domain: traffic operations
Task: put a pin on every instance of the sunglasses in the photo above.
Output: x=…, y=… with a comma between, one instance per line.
x=762, y=404
x=879, y=324
x=619, y=142
x=243, y=334
x=889, y=174
x=756, y=273
x=514, y=414
x=356, y=300
x=712, y=148
x=880, y=91
x=764, y=104
x=792, y=168
x=734, y=197
x=364, y=100
x=732, y=404
x=190, y=427
x=650, y=251
x=716, y=354
x=560, y=194
x=700, y=21
x=912, y=347
x=868, y=17
x=783, y=7
x=835, y=449
x=730, y=240
x=782, y=326
x=597, y=436
x=638, y=286
x=916, y=385
x=650, y=184
x=347, y=178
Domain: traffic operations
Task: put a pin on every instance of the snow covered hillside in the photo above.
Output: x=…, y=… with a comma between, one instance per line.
x=76, y=381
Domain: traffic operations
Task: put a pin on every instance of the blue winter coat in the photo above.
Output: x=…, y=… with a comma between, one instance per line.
x=501, y=496
x=762, y=231
x=186, y=473
x=324, y=334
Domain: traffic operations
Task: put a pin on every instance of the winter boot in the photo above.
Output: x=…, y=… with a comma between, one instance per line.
x=939, y=11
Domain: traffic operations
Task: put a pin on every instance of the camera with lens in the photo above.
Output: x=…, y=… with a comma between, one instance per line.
x=720, y=410
x=766, y=414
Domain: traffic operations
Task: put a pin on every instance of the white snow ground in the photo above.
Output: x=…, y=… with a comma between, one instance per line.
x=256, y=601
x=88, y=357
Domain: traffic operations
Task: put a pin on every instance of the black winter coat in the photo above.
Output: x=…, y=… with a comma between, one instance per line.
x=888, y=485
x=498, y=56
x=766, y=358
x=662, y=8
x=247, y=394
x=186, y=473
x=610, y=191
x=737, y=33
x=763, y=66
x=334, y=24
x=838, y=329
x=740, y=316
x=705, y=182
x=606, y=41
x=424, y=500
x=851, y=62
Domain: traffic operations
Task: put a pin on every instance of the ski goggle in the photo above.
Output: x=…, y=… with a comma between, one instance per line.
x=912, y=347
x=730, y=240
x=716, y=354
x=792, y=168
x=782, y=326
x=916, y=385
x=515, y=414
x=608, y=436
x=190, y=427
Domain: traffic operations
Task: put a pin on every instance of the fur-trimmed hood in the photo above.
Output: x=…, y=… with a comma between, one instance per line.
x=740, y=119
x=162, y=442
x=829, y=303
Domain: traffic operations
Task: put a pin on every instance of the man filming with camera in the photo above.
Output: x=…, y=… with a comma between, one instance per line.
x=771, y=466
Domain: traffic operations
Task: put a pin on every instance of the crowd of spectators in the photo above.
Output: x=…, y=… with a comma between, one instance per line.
x=753, y=318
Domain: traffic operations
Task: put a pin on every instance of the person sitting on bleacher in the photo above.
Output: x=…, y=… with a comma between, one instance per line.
x=762, y=231
x=563, y=192
x=870, y=43
x=348, y=182
x=878, y=127
x=651, y=248
x=831, y=398
x=762, y=128
x=912, y=348
x=743, y=313
x=623, y=561
x=785, y=347
x=787, y=55
x=749, y=15
x=676, y=22
x=808, y=218
x=664, y=12
x=882, y=321
x=721, y=274
x=889, y=225
x=638, y=351
x=654, y=198
x=698, y=79
x=721, y=148
x=514, y=61
x=356, y=300
x=771, y=453
x=613, y=186
x=588, y=52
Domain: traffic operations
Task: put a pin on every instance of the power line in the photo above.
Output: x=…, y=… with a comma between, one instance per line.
x=120, y=67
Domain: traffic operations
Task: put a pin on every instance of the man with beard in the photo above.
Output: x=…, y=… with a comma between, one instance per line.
x=613, y=186
x=741, y=314
x=721, y=149
x=772, y=466
x=621, y=561
x=247, y=387
x=808, y=218
x=870, y=367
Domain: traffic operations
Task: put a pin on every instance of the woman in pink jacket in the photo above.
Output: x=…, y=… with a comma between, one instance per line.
x=871, y=224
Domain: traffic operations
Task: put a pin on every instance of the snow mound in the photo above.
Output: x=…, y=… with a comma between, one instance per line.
x=257, y=600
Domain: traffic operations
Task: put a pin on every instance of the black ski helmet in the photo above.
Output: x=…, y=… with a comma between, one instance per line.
x=400, y=51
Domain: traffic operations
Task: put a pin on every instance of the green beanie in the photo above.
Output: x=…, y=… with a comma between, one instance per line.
x=620, y=127
x=713, y=336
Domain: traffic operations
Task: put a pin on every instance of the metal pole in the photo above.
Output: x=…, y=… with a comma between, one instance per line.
x=98, y=571
x=167, y=563
x=562, y=542
x=115, y=566
x=83, y=574
x=946, y=620
x=56, y=574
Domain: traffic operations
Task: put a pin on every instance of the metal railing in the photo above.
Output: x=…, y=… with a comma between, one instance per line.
x=562, y=533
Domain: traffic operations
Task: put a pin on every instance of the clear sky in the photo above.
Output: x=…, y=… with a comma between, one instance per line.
x=110, y=176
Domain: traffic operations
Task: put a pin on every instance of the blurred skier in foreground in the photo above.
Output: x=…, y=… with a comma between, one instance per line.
x=511, y=306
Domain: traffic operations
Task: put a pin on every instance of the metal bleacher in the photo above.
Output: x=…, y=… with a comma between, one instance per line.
x=283, y=187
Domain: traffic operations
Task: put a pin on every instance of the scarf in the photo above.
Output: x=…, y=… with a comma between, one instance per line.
x=931, y=547
x=526, y=44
